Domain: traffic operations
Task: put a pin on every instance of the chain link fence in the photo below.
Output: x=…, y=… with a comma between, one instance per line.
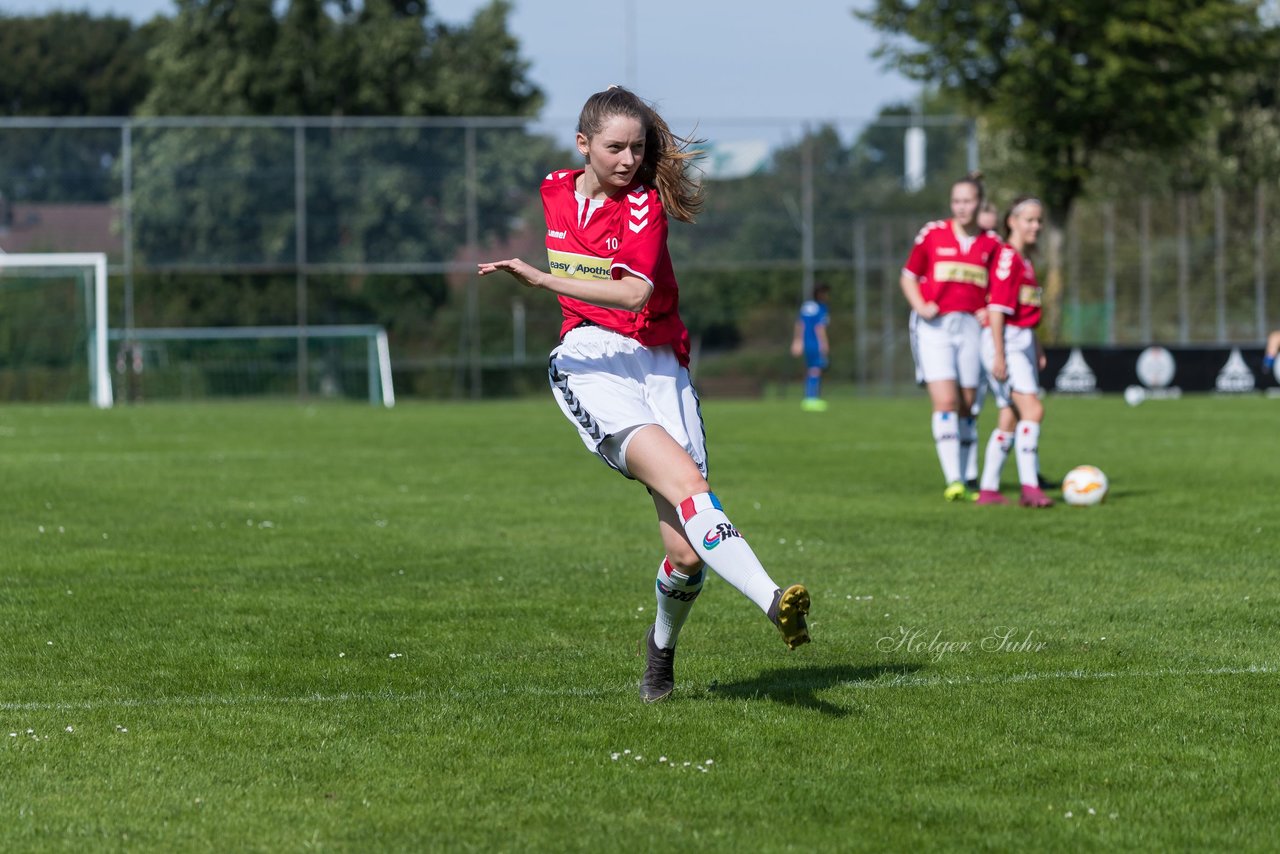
x=268, y=222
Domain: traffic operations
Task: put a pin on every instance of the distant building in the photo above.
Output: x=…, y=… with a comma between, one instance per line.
x=60, y=227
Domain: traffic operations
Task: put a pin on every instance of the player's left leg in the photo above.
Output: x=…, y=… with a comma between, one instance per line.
x=1027, y=443
x=967, y=338
x=813, y=401
x=658, y=461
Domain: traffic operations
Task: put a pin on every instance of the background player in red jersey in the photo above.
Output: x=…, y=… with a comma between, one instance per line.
x=988, y=217
x=1014, y=358
x=945, y=281
x=620, y=373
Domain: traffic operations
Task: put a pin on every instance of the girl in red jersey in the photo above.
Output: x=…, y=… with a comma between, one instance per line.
x=620, y=373
x=945, y=281
x=1014, y=358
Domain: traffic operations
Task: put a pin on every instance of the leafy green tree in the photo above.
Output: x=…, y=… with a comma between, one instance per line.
x=374, y=195
x=1072, y=81
x=68, y=64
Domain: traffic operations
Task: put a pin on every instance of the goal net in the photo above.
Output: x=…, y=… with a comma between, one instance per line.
x=199, y=363
x=53, y=328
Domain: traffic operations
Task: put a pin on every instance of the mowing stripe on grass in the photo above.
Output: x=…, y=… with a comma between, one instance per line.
x=419, y=696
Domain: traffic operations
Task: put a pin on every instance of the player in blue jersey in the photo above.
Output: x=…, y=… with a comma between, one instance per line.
x=810, y=341
x=1270, y=353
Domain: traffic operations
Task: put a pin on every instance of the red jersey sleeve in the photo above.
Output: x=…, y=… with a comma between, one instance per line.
x=1006, y=275
x=918, y=261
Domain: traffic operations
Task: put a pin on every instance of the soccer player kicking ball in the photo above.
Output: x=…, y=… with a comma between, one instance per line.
x=620, y=372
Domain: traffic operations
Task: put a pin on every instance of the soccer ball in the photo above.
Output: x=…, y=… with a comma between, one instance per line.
x=1084, y=485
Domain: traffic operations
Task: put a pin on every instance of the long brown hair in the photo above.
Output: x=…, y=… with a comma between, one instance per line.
x=665, y=154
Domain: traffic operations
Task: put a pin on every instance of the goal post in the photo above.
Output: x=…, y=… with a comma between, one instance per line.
x=91, y=270
x=201, y=361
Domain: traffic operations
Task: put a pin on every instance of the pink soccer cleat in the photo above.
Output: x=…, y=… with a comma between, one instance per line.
x=1033, y=496
x=991, y=496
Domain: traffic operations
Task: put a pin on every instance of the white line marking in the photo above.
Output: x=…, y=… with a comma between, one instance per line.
x=904, y=681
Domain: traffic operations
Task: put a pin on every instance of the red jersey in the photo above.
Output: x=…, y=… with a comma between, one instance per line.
x=1014, y=289
x=606, y=239
x=951, y=273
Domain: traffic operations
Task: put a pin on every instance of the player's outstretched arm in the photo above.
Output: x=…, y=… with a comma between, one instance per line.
x=630, y=293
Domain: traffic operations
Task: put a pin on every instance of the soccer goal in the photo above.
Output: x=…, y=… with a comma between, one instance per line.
x=198, y=363
x=53, y=327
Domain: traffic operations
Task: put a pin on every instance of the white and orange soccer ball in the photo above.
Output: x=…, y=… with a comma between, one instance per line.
x=1084, y=485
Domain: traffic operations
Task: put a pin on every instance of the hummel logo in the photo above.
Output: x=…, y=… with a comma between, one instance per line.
x=559, y=235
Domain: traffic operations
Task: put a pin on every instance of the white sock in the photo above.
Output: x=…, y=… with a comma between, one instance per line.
x=969, y=447
x=947, y=440
x=1028, y=445
x=723, y=549
x=676, y=592
x=997, y=452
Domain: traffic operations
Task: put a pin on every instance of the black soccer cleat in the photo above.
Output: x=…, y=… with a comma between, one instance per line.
x=659, y=678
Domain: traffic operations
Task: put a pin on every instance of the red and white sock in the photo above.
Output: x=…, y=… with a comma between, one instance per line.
x=723, y=549
x=946, y=437
x=1027, y=442
x=997, y=452
x=676, y=592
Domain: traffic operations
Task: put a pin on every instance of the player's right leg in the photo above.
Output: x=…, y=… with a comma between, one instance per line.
x=936, y=361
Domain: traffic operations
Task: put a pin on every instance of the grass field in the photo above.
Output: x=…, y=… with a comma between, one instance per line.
x=285, y=628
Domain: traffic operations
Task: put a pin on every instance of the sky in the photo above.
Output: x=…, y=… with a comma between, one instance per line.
x=708, y=62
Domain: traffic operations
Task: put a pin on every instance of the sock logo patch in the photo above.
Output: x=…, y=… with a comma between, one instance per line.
x=679, y=595
x=719, y=534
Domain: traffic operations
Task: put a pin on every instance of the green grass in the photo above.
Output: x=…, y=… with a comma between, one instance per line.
x=280, y=628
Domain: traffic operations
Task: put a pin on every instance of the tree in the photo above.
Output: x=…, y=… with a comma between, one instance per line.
x=68, y=65
x=1072, y=81
x=381, y=194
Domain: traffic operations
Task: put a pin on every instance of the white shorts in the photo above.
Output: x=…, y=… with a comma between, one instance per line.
x=1021, y=359
x=608, y=384
x=946, y=348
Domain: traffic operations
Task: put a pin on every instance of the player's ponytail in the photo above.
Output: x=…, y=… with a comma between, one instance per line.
x=666, y=155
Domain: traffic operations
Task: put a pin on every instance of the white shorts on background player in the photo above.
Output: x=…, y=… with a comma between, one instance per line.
x=1020, y=359
x=946, y=348
x=608, y=384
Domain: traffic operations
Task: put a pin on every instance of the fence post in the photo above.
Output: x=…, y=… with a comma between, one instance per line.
x=860, y=300
x=300, y=248
x=806, y=213
x=1073, y=279
x=1144, y=269
x=1260, y=259
x=1109, y=267
x=888, y=280
x=473, y=241
x=1184, y=269
x=1220, y=264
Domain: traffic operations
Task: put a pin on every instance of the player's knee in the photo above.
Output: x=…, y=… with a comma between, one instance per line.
x=684, y=559
x=1030, y=408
